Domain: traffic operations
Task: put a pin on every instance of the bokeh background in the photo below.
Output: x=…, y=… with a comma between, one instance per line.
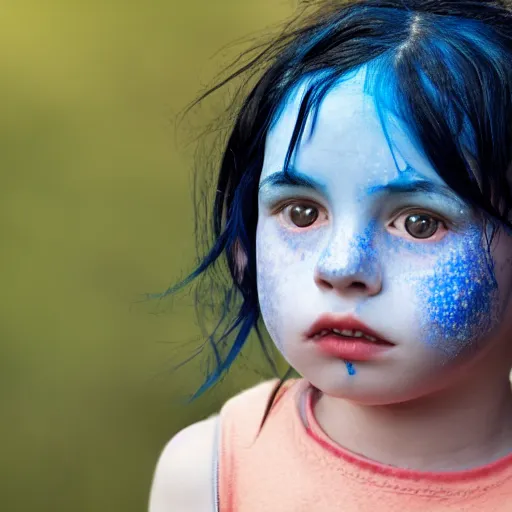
x=96, y=211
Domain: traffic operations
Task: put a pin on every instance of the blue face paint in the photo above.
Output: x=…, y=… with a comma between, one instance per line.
x=350, y=368
x=433, y=299
x=461, y=295
x=358, y=257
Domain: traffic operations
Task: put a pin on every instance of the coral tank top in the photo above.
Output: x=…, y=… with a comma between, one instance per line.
x=293, y=466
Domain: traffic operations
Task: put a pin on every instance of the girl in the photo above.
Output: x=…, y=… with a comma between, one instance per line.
x=364, y=209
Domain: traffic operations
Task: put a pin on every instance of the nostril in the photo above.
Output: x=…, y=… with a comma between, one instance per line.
x=325, y=284
x=357, y=286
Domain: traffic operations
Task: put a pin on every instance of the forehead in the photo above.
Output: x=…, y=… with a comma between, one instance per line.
x=348, y=140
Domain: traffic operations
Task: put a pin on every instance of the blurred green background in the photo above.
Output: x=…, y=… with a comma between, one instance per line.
x=96, y=200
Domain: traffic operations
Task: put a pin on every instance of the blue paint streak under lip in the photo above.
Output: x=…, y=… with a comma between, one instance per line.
x=350, y=368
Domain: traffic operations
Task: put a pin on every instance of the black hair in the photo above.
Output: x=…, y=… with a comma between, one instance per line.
x=446, y=64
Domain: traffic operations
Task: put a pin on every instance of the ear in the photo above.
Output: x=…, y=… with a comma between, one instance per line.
x=240, y=259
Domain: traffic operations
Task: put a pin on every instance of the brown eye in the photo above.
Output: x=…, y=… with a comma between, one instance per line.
x=303, y=216
x=421, y=225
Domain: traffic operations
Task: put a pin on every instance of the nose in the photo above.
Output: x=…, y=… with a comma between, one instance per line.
x=350, y=266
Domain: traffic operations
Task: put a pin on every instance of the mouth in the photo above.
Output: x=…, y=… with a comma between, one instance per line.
x=347, y=338
x=344, y=327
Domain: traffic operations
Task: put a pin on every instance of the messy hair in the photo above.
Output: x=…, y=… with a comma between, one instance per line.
x=443, y=67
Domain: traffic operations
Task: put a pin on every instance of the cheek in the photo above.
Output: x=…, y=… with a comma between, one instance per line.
x=281, y=270
x=458, y=302
x=268, y=299
x=269, y=276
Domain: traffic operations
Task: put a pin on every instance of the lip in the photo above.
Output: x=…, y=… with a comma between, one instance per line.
x=329, y=321
x=348, y=348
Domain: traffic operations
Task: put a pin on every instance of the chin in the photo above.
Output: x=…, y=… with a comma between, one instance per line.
x=373, y=397
x=370, y=392
x=366, y=397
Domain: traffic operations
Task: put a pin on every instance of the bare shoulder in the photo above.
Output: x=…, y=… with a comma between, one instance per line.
x=183, y=475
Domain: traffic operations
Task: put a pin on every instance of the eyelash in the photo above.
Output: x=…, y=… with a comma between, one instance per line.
x=279, y=209
x=415, y=210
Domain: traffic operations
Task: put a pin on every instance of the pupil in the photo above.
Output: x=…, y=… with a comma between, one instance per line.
x=303, y=216
x=421, y=226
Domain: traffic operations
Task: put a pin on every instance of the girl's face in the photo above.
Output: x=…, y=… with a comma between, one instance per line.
x=366, y=234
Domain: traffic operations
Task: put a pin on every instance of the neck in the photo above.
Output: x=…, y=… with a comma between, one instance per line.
x=466, y=426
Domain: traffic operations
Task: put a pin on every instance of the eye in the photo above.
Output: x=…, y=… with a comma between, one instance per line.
x=420, y=226
x=302, y=215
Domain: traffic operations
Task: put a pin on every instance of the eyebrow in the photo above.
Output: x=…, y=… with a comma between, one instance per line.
x=403, y=185
x=292, y=178
x=415, y=186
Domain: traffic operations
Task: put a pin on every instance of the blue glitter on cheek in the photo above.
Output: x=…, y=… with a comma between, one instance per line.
x=460, y=296
x=350, y=368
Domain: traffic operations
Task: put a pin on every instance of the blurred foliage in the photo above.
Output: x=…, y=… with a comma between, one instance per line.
x=97, y=211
